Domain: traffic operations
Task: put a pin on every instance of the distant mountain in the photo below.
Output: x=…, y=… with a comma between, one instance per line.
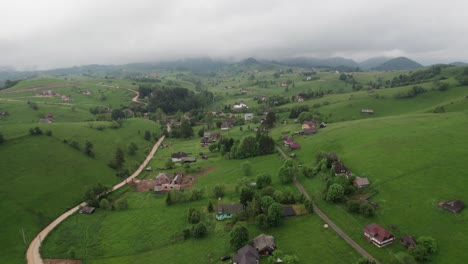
x=459, y=63
x=373, y=62
x=397, y=64
x=305, y=62
x=249, y=61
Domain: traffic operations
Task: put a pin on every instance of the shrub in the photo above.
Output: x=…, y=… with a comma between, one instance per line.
x=121, y=204
x=366, y=210
x=199, y=230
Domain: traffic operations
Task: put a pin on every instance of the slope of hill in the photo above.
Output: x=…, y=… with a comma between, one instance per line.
x=397, y=64
x=459, y=63
x=320, y=63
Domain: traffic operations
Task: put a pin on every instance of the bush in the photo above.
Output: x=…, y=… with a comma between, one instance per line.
x=199, y=230
x=219, y=190
x=121, y=204
x=366, y=210
x=335, y=193
x=263, y=180
x=104, y=204
x=353, y=206
x=194, y=216
x=239, y=235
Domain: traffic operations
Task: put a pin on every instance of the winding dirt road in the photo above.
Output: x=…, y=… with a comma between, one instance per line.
x=327, y=220
x=33, y=255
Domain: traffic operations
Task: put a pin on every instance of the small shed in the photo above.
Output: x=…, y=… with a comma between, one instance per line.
x=408, y=241
x=454, y=206
x=361, y=182
x=188, y=159
x=288, y=211
x=87, y=210
x=264, y=244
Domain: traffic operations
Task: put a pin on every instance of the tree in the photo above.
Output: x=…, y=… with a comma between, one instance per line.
x=366, y=210
x=186, y=129
x=263, y=180
x=194, y=216
x=262, y=221
x=288, y=171
x=104, y=204
x=119, y=158
x=304, y=116
x=117, y=114
x=265, y=202
x=219, y=190
x=247, y=149
x=309, y=206
x=201, y=132
x=2, y=139
x=275, y=214
x=89, y=149
x=335, y=193
x=353, y=206
x=121, y=204
x=132, y=148
x=210, y=207
x=246, y=195
x=270, y=120
x=169, y=199
x=426, y=247
x=199, y=230
x=246, y=168
x=239, y=235
x=147, y=135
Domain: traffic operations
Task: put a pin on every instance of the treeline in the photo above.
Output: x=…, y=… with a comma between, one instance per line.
x=417, y=77
x=250, y=146
x=171, y=100
x=413, y=92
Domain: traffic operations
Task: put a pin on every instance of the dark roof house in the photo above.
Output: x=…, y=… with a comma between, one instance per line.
x=87, y=210
x=224, y=211
x=264, y=244
x=340, y=168
x=454, y=206
x=309, y=127
x=246, y=255
x=378, y=235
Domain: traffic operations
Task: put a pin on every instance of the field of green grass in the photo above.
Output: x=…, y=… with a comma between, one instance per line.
x=42, y=176
x=414, y=162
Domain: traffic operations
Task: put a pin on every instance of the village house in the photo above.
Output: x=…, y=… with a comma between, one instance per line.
x=47, y=93
x=246, y=255
x=408, y=241
x=163, y=178
x=264, y=244
x=300, y=99
x=378, y=235
x=66, y=98
x=224, y=211
x=309, y=127
x=287, y=141
x=283, y=84
x=264, y=98
x=340, y=168
x=454, y=206
x=208, y=138
x=166, y=187
x=361, y=182
x=188, y=159
x=225, y=126
x=176, y=157
x=323, y=125
x=248, y=117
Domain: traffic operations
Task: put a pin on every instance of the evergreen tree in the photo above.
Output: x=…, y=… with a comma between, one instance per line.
x=119, y=158
x=89, y=149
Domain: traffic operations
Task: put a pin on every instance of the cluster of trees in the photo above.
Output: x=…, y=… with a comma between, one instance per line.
x=288, y=171
x=33, y=105
x=278, y=100
x=176, y=99
x=185, y=130
x=413, y=92
x=463, y=79
x=95, y=194
x=10, y=83
x=119, y=204
x=297, y=110
x=250, y=146
x=198, y=229
x=118, y=163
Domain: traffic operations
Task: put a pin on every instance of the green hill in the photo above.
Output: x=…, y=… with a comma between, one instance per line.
x=398, y=64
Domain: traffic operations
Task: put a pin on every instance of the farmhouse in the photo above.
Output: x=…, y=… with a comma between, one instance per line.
x=224, y=211
x=361, y=182
x=66, y=98
x=453, y=206
x=309, y=127
x=300, y=99
x=246, y=255
x=264, y=244
x=87, y=210
x=176, y=157
x=284, y=84
x=408, y=241
x=188, y=159
x=248, y=117
x=378, y=235
x=163, y=178
x=241, y=105
x=288, y=141
x=340, y=168
x=367, y=111
x=167, y=187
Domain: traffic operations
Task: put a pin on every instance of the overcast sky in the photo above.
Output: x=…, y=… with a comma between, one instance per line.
x=46, y=34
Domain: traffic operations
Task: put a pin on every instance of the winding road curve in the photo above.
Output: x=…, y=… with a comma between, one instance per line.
x=327, y=220
x=33, y=255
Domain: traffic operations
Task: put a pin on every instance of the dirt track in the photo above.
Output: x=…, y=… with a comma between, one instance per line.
x=33, y=255
x=35, y=88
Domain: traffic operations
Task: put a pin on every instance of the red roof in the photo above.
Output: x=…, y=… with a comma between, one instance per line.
x=377, y=232
x=294, y=145
x=288, y=140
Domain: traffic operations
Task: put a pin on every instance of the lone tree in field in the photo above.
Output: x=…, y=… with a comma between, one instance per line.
x=239, y=235
x=194, y=216
x=210, y=207
x=147, y=135
x=219, y=190
x=246, y=168
x=119, y=158
x=2, y=139
x=89, y=149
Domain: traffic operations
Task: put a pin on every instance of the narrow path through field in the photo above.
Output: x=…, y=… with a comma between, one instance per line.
x=134, y=99
x=327, y=220
x=33, y=255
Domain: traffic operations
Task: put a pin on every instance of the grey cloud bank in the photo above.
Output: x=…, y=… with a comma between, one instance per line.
x=48, y=34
